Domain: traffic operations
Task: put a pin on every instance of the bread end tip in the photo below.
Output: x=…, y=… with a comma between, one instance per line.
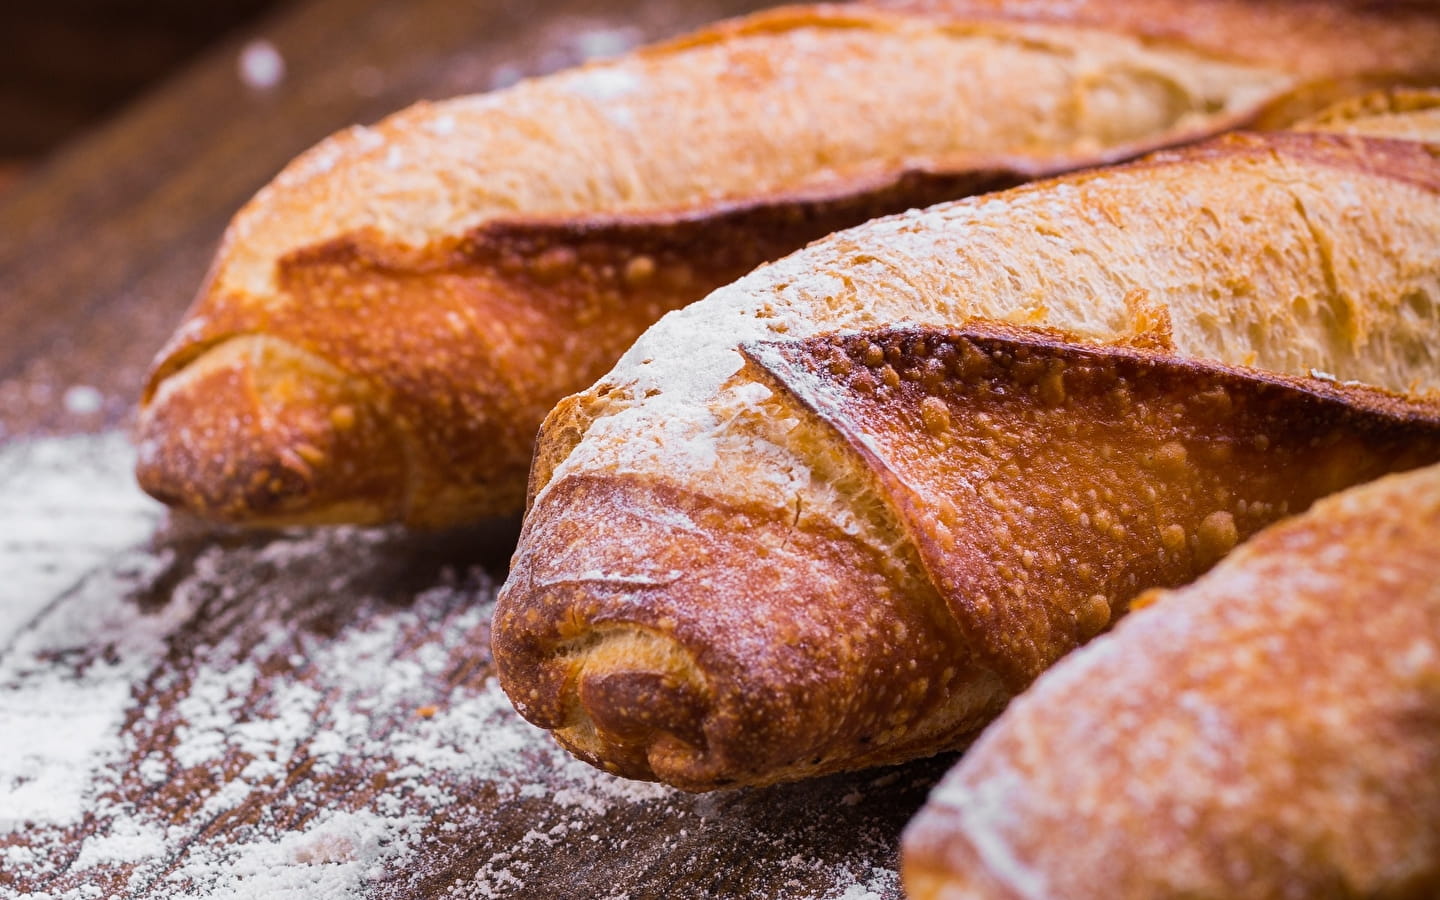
x=254, y=431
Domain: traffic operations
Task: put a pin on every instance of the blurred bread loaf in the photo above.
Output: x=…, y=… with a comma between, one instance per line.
x=1272, y=730
x=385, y=325
x=839, y=512
x=1409, y=114
x=1336, y=49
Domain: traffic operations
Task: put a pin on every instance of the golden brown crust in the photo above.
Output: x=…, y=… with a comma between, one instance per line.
x=464, y=345
x=313, y=432
x=1397, y=102
x=470, y=262
x=767, y=689
x=1398, y=113
x=761, y=691
x=1044, y=480
x=1286, y=254
x=1410, y=160
x=1337, y=49
x=1333, y=39
x=1267, y=731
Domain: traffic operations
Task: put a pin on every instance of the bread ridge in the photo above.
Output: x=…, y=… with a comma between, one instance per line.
x=1266, y=730
x=488, y=329
x=1403, y=113
x=1249, y=243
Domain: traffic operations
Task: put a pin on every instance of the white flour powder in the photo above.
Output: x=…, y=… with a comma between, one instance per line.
x=66, y=504
x=191, y=715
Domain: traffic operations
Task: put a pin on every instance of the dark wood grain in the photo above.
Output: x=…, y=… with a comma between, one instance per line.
x=100, y=252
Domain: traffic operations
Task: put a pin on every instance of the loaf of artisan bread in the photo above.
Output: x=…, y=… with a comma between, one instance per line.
x=1272, y=730
x=839, y=512
x=386, y=324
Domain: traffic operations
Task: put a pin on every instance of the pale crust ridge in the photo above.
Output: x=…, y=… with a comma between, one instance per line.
x=1412, y=115
x=1268, y=731
x=1315, y=39
x=1294, y=255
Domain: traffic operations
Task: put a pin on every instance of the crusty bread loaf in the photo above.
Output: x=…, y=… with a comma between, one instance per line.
x=1272, y=730
x=734, y=570
x=386, y=324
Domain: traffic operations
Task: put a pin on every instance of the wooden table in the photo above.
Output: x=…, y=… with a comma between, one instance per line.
x=189, y=712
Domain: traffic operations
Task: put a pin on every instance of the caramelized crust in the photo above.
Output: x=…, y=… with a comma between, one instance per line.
x=1336, y=49
x=745, y=693
x=1269, y=731
x=1255, y=274
x=460, y=350
x=1044, y=480
x=463, y=265
x=1324, y=39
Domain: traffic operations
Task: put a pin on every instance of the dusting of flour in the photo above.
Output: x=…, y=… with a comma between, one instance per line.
x=313, y=715
x=66, y=504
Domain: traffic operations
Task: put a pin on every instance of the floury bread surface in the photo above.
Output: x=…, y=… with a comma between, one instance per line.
x=720, y=579
x=1269, y=731
x=386, y=324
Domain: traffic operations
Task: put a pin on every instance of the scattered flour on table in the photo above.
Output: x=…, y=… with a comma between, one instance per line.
x=97, y=710
x=66, y=504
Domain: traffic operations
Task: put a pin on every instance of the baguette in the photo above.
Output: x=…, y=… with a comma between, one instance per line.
x=1269, y=731
x=760, y=550
x=386, y=324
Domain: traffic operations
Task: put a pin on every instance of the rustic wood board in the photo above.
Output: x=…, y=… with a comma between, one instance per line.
x=189, y=712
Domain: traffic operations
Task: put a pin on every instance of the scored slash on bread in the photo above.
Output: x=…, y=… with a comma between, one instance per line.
x=1045, y=480
x=386, y=324
x=1269, y=731
x=713, y=587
